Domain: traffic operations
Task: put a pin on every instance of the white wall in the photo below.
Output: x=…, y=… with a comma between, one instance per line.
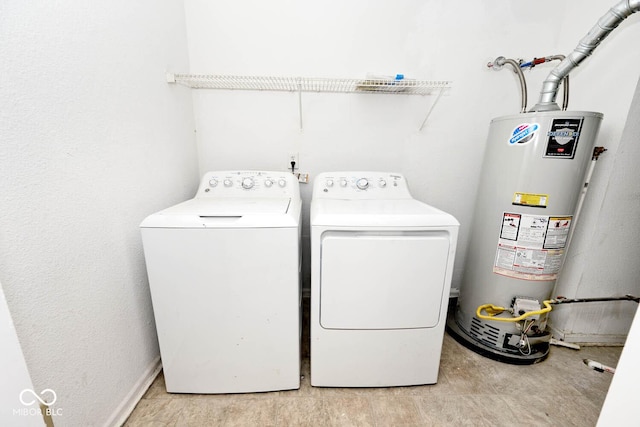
x=431, y=40
x=93, y=140
x=15, y=376
x=604, y=257
x=620, y=408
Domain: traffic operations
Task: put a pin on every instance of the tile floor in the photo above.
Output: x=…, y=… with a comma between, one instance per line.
x=471, y=390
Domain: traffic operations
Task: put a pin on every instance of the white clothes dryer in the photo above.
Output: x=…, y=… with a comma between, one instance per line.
x=224, y=275
x=381, y=267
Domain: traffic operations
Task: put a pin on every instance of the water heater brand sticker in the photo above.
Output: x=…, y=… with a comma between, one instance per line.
x=531, y=247
x=563, y=138
x=524, y=133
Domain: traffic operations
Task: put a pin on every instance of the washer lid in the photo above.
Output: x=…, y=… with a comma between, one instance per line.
x=225, y=212
x=401, y=213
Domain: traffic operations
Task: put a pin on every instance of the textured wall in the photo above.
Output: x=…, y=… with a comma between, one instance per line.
x=621, y=405
x=14, y=374
x=93, y=140
x=604, y=257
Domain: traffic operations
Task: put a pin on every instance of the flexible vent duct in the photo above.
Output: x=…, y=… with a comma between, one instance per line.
x=605, y=25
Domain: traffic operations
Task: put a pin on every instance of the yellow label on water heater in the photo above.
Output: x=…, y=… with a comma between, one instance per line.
x=528, y=199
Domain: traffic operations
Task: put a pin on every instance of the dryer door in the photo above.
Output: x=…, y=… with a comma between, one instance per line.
x=382, y=280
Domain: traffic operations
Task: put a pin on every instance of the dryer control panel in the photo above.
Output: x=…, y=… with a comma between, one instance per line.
x=248, y=184
x=360, y=185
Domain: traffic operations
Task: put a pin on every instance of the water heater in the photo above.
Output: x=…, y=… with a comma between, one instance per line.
x=530, y=191
x=533, y=171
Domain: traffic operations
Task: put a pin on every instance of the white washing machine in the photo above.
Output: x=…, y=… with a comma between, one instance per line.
x=224, y=275
x=381, y=266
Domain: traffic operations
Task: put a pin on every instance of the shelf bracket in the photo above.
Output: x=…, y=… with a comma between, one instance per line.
x=440, y=92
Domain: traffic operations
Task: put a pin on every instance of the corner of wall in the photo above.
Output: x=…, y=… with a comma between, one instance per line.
x=128, y=404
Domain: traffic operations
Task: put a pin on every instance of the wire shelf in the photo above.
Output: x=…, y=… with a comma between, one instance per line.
x=308, y=84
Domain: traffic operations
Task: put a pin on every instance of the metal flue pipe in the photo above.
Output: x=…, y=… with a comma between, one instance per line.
x=607, y=23
x=565, y=83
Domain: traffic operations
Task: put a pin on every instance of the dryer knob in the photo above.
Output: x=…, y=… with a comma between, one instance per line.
x=268, y=183
x=343, y=183
x=329, y=183
x=382, y=183
x=247, y=183
x=228, y=183
x=362, y=183
x=282, y=182
x=213, y=182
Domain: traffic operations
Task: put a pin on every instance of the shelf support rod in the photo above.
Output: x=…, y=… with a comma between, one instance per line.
x=431, y=108
x=300, y=102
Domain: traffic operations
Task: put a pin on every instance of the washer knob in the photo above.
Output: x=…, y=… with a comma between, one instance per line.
x=213, y=182
x=282, y=182
x=362, y=183
x=228, y=182
x=343, y=183
x=329, y=183
x=247, y=183
x=382, y=183
x=268, y=183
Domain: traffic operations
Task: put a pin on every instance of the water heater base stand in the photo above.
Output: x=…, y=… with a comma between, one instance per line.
x=463, y=338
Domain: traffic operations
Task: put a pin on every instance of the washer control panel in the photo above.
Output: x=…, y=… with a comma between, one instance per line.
x=360, y=185
x=247, y=184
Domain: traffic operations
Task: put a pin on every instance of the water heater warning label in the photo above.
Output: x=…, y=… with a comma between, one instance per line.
x=563, y=138
x=531, y=247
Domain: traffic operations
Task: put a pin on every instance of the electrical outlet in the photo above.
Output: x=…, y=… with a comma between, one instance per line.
x=293, y=158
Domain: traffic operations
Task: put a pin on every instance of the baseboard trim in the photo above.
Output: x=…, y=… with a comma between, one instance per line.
x=126, y=407
x=588, y=339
